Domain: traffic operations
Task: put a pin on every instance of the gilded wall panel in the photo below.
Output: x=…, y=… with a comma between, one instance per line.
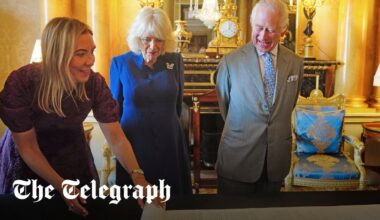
x=19, y=28
x=121, y=17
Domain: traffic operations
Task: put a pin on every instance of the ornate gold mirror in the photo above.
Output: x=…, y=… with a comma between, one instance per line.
x=204, y=29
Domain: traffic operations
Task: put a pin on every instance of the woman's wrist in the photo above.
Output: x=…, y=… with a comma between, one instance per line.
x=138, y=177
x=137, y=171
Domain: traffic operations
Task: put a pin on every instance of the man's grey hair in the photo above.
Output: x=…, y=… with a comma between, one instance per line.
x=277, y=6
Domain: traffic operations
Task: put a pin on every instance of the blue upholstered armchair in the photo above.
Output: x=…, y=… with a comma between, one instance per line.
x=318, y=157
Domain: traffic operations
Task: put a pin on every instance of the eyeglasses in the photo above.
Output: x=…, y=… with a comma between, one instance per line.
x=148, y=40
x=259, y=28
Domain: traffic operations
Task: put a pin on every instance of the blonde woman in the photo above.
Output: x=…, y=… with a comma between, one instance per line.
x=148, y=83
x=44, y=105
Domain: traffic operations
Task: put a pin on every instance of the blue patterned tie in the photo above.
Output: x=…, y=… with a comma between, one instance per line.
x=269, y=78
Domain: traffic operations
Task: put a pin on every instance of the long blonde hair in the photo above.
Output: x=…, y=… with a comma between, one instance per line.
x=58, y=43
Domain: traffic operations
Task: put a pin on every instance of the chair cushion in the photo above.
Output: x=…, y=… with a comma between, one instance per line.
x=325, y=166
x=318, y=131
x=318, y=108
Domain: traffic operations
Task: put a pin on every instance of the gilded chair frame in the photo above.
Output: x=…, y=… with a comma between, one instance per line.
x=316, y=98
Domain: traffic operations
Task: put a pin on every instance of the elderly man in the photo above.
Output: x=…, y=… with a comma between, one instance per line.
x=257, y=87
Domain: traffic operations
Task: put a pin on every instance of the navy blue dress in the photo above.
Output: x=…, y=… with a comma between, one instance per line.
x=150, y=105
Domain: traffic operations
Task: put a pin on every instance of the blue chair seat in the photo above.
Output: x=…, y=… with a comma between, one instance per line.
x=325, y=167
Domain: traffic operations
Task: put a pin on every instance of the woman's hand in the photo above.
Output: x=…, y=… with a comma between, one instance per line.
x=122, y=148
x=139, y=179
x=75, y=205
x=30, y=152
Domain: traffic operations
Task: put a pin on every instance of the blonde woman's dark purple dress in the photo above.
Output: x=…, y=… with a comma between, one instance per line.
x=61, y=140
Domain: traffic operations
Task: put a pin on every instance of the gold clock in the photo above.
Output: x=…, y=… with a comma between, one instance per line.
x=228, y=28
x=227, y=32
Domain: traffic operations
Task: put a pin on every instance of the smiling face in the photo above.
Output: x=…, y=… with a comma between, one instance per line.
x=83, y=58
x=266, y=29
x=151, y=49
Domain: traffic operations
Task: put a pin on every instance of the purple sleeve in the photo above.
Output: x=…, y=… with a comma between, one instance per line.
x=105, y=108
x=16, y=102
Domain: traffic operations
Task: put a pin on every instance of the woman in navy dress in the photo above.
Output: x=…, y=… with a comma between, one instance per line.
x=148, y=83
x=44, y=105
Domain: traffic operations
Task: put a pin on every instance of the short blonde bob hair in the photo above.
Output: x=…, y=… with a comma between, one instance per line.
x=151, y=22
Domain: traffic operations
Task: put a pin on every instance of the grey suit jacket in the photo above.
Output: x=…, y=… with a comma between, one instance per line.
x=252, y=130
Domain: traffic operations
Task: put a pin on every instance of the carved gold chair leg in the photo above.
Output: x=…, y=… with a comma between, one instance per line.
x=289, y=178
x=358, y=152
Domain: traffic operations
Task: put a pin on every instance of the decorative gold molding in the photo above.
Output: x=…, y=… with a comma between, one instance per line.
x=183, y=36
x=152, y=3
x=319, y=64
x=195, y=103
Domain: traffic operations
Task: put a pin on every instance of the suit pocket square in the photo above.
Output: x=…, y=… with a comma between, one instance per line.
x=292, y=78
